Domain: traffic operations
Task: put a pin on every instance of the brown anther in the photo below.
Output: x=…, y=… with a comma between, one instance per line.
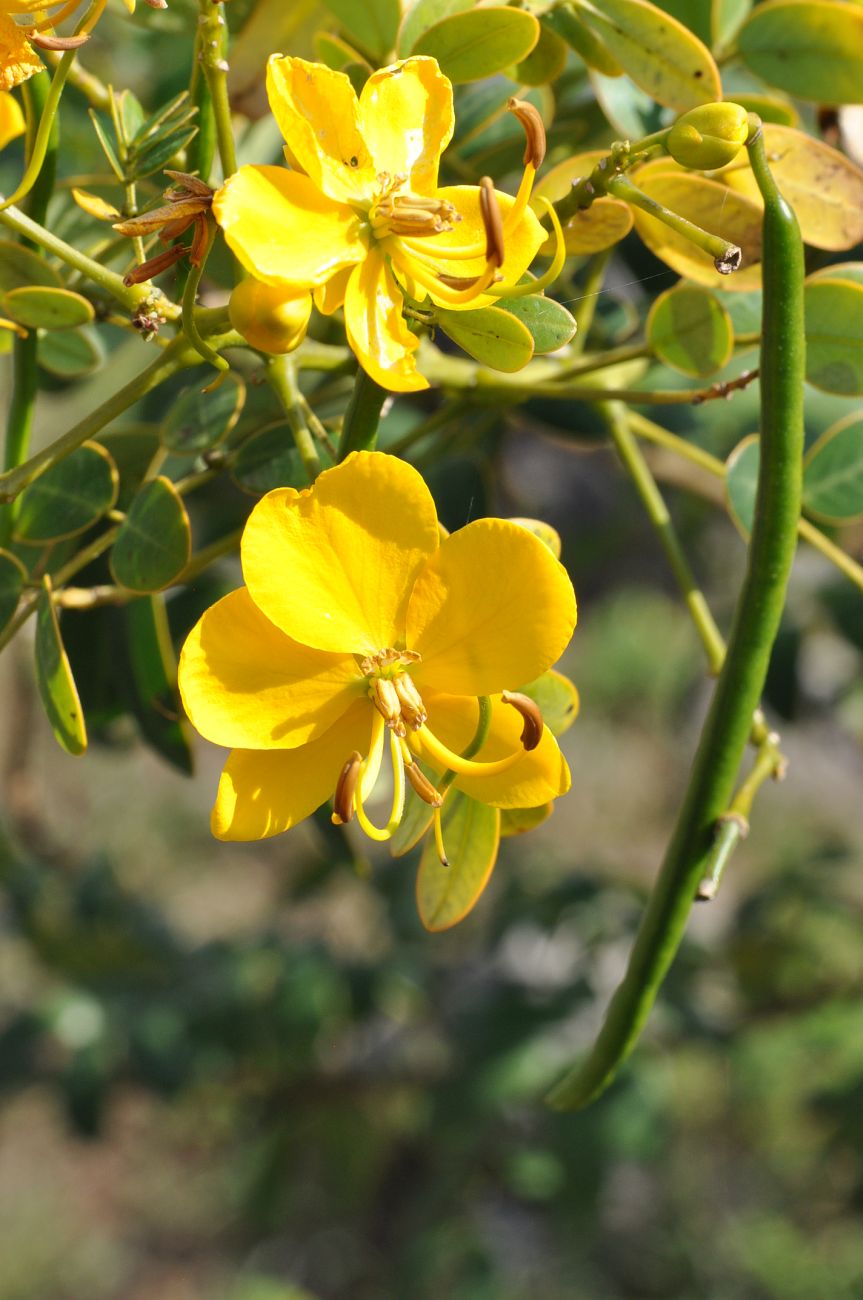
x=414, y=711
x=45, y=42
x=531, y=733
x=493, y=222
x=534, y=130
x=423, y=786
x=346, y=788
x=458, y=281
x=386, y=701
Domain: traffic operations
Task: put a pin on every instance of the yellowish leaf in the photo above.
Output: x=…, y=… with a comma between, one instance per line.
x=95, y=206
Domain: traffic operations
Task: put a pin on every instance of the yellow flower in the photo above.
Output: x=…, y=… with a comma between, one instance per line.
x=18, y=60
x=360, y=218
x=358, y=623
x=11, y=118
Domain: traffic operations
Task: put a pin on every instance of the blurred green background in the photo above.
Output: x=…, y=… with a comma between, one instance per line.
x=235, y=1072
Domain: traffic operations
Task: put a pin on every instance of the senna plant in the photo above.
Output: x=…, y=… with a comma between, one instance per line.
x=274, y=297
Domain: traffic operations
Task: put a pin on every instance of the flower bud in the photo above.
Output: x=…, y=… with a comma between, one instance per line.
x=709, y=136
x=271, y=318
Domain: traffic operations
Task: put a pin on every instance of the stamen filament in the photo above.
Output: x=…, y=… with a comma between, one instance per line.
x=441, y=754
x=372, y=763
x=524, y=191
x=452, y=297
x=550, y=275
x=454, y=253
x=398, y=804
x=438, y=838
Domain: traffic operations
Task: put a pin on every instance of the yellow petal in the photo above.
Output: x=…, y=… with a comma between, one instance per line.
x=283, y=230
x=376, y=329
x=245, y=684
x=492, y=608
x=18, y=60
x=333, y=566
x=539, y=775
x=316, y=109
x=521, y=244
x=11, y=118
x=406, y=118
x=329, y=297
x=264, y=792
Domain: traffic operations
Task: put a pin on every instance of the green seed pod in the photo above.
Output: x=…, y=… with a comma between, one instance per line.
x=709, y=136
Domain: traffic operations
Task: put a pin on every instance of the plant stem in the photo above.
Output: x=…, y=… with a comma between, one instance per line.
x=726, y=256
x=733, y=825
x=629, y=452
x=756, y=622
x=282, y=376
x=213, y=48
x=360, y=425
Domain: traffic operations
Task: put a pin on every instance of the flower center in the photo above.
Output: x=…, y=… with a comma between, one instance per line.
x=397, y=211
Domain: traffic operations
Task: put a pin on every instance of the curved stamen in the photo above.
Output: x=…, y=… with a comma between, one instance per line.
x=446, y=295
x=550, y=275
x=438, y=838
x=372, y=763
x=398, y=804
x=444, y=756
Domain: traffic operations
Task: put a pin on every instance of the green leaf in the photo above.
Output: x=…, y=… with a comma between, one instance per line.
x=108, y=145
x=20, y=266
x=335, y=52
x=130, y=114
x=54, y=678
x=69, y=497
x=490, y=335
x=154, y=541
x=71, y=354
x=587, y=46
x=546, y=60
x=852, y=271
x=199, y=419
x=517, y=821
x=13, y=575
x=423, y=15
x=656, y=51
x=373, y=24
x=154, y=696
x=132, y=450
x=690, y=330
x=741, y=482
x=557, y=698
x=471, y=834
x=811, y=48
x=46, y=308
x=834, y=336
x=630, y=110
x=551, y=326
x=479, y=43
x=269, y=460
x=833, y=473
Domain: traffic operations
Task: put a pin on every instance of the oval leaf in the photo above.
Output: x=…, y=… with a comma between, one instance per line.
x=471, y=834
x=199, y=419
x=479, y=43
x=833, y=473
x=551, y=325
x=545, y=62
x=13, y=575
x=656, y=51
x=834, y=336
x=41, y=307
x=517, y=821
x=811, y=48
x=154, y=541
x=54, y=678
x=490, y=335
x=587, y=46
x=69, y=497
x=711, y=206
x=741, y=482
x=372, y=24
x=690, y=330
x=21, y=266
x=600, y=226
x=423, y=15
x=71, y=354
x=824, y=188
x=269, y=460
x=557, y=698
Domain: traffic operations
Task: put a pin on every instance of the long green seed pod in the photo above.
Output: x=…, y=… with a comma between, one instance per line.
x=753, y=632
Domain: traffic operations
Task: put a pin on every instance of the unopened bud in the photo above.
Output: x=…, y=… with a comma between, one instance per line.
x=531, y=733
x=709, y=136
x=534, y=130
x=423, y=786
x=269, y=317
x=346, y=786
x=493, y=222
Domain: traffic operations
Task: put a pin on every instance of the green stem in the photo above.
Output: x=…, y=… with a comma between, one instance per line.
x=360, y=425
x=190, y=294
x=726, y=256
x=733, y=825
x=131, y=298
x=282, y=376
x=175, y=357
x=614, y=417
x=202, y=149
x=213, y=48
x=756, y=622
x=25, y=377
